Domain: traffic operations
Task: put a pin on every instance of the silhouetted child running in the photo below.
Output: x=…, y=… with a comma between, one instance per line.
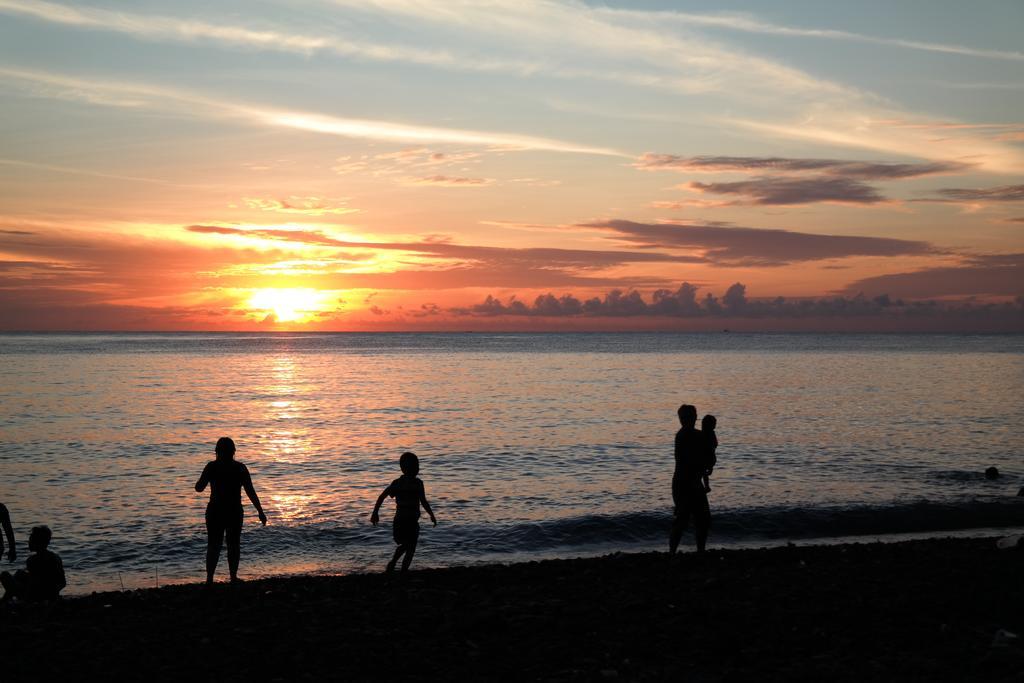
x=43, y=576
x=707, y=429
x=408, y=493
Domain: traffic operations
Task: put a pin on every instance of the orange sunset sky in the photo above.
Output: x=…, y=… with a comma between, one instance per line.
x=401, y=165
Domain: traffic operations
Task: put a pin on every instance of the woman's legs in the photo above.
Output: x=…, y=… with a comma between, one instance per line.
x=234, y=540
x=702, y=521
x=678, y=527
x=214, y=538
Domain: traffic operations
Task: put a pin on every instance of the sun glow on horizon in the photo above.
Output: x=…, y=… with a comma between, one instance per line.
x=291, y=305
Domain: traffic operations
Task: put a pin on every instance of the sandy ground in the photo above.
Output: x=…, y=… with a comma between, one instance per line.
x=933, y=610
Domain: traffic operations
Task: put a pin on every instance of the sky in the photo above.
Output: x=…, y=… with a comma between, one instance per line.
x=511, y=165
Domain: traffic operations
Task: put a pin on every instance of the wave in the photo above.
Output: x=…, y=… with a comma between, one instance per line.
x=99, y=563
x=767, y=523
x=604, y=531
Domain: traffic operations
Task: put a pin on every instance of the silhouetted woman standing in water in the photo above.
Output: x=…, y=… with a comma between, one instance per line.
x=226, y=477
x=693, y=459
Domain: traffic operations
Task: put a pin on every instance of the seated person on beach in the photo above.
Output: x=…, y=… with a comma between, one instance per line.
x=5, y=522
x=43, y=576
x=226, y=477
x=688, y=494
x=408, y=493
x=707, y=428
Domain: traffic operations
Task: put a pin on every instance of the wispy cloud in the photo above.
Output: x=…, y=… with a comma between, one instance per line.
x=450, y=181
x=798, y=181
x=382, y=130
x=198, y=105
x=867, y=128
x=1006, y=193
x=84, y=172
x=165, y=28
x=539, y=257
x=698, y=64
x=308, y=206
x=404, y=161
x=985, y=275
x=792, y=191
x=565, y=31
x=569, y=41
x=860, y=170
x=727, y=245
x=751, y=24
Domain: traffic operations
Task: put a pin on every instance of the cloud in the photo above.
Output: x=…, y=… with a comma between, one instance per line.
x=792, y=191
x=197, y=105
x=612, y=43
x=856, y=170
x=87, y=172
x=703, y=60
x=867, y=128
x=1006, y=193
x=308, y=206
x=725, y=245
x=402, y=161
x=734, y=304
x=569, y=37
x=751, y=24
x=538, y=257
x=802, y=181
x=691, y=204
x=66, y=280
x=568, y=40
x=986, y=275
x=450, y=181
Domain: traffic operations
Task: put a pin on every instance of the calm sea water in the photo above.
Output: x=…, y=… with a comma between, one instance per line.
x=531, y=445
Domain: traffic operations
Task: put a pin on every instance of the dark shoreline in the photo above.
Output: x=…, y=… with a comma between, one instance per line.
x=916, y=610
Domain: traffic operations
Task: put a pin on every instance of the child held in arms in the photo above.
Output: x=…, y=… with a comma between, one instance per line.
x=707, y=428
x=408, y=493
x=43, y=576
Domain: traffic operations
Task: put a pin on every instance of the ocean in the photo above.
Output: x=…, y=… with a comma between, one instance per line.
x=531, y=445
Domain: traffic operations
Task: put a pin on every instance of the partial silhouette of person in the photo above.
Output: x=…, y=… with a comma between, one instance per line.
x=688, y=494
x=707, y=428
x=5, y=522
x=226, y=477
x=409, y=495
x=43, y=577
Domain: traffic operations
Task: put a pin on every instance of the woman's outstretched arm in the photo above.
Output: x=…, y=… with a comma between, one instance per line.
x=250, y=491
x=204, y=479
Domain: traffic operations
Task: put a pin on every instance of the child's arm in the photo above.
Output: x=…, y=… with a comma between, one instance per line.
x=426, y=505
x=375, y=516
x=5, y=520
x=250, y=491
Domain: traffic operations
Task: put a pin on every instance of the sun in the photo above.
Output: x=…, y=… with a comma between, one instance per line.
x=288, y=305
